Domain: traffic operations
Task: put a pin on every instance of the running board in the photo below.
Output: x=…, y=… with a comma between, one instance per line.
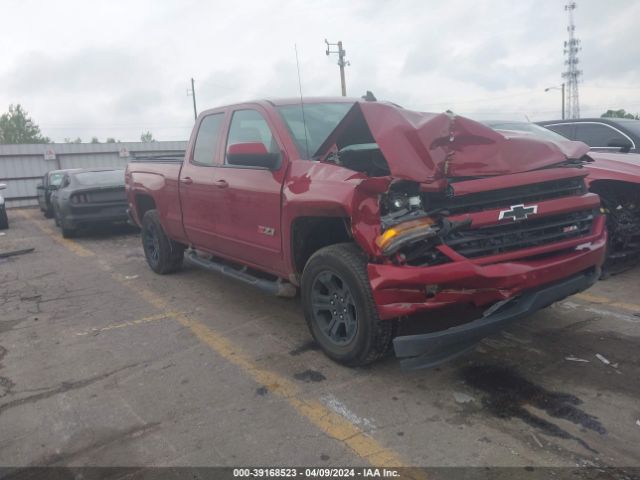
x=273, y=287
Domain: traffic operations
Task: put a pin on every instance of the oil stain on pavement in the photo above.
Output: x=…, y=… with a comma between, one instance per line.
x=508, y=394
x=309, y=376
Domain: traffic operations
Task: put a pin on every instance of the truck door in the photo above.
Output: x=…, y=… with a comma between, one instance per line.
x=197, y=183
x=249, y=197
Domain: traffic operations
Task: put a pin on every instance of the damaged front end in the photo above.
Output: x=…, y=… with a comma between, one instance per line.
x=451, y=212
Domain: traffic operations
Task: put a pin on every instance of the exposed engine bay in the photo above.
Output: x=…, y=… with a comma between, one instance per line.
x=622, y=206
x=364, y=157
x=415, y=223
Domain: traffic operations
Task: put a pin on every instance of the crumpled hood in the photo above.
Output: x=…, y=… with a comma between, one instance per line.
x=427, y=147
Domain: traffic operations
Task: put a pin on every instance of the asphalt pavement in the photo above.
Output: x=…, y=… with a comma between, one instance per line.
x=103, y=362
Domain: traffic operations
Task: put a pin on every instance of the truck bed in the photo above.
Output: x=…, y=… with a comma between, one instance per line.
x=157, y=180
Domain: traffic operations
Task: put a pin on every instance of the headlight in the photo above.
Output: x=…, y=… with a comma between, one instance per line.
x=396, y=201
x=395, y=237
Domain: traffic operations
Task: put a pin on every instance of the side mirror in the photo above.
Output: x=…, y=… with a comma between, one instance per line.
x=253, y=154
x=622, y=143
x=53, y=187
x=39, y=187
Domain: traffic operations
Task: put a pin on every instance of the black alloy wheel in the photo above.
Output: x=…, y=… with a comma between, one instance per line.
x=334, y=308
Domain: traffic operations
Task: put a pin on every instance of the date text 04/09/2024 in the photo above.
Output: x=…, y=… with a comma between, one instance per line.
x=315, y=473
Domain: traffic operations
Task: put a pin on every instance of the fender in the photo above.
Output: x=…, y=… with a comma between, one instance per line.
x=335, y=191
x=623, y=167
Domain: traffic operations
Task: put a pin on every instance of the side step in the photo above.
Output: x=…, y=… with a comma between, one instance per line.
x=273, y=287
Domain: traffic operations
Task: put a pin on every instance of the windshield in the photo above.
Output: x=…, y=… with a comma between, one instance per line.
x=320, y=118
x=56, y=178
x=106, y=177
x=525, y=127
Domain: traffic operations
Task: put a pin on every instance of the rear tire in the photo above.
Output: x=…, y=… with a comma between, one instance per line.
x=339, y=307
x=48, y=213
x=4, y=219
x=68, y=232
x=163, y=254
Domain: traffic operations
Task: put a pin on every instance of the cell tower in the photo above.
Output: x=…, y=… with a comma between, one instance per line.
x=572, y=73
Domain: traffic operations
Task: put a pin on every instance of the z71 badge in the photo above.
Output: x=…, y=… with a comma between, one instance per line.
x=267, y=230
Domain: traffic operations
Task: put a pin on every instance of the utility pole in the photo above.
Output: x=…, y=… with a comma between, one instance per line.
x=572, y=73
x=561, y=88
x=192, y=93
x=341, y=62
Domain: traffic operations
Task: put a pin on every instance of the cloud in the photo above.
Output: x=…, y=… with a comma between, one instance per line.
x=117, y=68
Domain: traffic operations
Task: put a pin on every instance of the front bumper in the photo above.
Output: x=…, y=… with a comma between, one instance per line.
x=403, y=290
x=507, y=288
x=431, y=349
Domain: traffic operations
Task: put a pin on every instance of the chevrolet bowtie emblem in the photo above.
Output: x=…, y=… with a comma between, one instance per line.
x=518, y=212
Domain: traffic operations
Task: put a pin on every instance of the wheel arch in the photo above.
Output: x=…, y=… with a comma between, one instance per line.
x=309, y=234
x=144, y=203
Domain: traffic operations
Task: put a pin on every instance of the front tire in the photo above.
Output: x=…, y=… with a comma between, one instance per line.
x=163, y=254
x=339, y=307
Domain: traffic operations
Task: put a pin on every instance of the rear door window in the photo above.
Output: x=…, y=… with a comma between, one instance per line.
x=566, y=130
x=598, y=134
x=204, y=152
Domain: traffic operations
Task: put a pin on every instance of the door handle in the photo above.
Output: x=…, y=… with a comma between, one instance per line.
x=221, y=183
x=186, y=180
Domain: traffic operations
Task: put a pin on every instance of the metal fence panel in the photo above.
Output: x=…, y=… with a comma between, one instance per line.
x=22, y=166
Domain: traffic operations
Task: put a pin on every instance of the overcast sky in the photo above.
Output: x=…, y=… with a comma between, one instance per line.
x=117, y=68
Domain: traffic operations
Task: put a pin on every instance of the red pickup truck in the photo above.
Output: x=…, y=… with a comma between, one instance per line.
x=388, y=221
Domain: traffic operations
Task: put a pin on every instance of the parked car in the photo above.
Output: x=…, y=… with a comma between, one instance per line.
x=50, y=182
x=610, y=134
x=378, y=215
x=616, y=178
x=4, y=219
x=87, y=198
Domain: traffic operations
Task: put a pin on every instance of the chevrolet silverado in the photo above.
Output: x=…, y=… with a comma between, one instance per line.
x=387, y=221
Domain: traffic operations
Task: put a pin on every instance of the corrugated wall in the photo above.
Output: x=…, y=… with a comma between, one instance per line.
x=22, y=166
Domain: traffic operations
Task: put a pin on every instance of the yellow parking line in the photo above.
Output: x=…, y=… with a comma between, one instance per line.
x=139, y=321
x=332, y=424
x=608, y=301
x=326, y=420
x=69, y=244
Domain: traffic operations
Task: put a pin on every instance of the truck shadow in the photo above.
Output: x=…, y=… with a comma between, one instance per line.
x=106, y=231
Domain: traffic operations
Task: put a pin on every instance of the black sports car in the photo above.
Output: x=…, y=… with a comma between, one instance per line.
x=50, y=182
x=89, y=197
